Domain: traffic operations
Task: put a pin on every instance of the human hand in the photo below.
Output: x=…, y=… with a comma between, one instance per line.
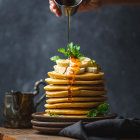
x=54, y=9
x=86, y=5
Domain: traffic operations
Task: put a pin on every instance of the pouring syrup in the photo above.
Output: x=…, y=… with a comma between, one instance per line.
x=74, y=64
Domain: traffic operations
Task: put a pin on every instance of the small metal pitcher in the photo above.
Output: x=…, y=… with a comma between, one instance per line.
x=62, y=4
x=18, y=107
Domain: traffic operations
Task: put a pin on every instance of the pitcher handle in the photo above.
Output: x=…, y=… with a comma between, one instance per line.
x=40, y=100
x=37, y=90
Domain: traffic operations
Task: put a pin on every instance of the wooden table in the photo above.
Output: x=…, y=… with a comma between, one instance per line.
x=30, y=134
x=27, y=134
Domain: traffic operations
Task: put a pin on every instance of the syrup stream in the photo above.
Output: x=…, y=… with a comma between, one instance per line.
x=74, y=63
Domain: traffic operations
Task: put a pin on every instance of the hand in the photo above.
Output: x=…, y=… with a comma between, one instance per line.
x=54, y=9
x=86, y=5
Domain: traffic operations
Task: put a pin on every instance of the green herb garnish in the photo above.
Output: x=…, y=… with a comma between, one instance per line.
x=54, y=58
x=75, y=50
x=92, y=113
x=61, y=115
x=54, y=115
x=101, y=109
x=50, y=113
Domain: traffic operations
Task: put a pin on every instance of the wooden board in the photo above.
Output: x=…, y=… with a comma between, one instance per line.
x=27, y=134
x=30, y=134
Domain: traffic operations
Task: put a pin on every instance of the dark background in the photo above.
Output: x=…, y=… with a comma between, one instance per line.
x=30, y=35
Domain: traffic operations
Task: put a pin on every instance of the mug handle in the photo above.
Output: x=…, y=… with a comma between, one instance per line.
x=37, y=90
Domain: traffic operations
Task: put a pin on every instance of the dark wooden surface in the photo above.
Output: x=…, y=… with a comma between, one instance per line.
x=30, y=134
x=27, y=134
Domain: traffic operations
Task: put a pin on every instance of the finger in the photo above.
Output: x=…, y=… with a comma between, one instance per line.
x=50, y=1
x=53, y=6
x=55, y=11
x=58, y=14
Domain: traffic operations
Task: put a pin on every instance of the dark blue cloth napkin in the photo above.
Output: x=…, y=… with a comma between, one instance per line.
x=110, y=129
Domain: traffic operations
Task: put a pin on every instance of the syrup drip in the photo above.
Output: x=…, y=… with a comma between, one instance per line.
x=65, y=70
x=68, y=8
x=74, y=64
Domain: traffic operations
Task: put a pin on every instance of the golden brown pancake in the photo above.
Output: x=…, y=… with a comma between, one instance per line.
x=61, y=82
x=74, y=87
x=68, y=111
x=75, y=99
x=85, y=76
x=74, y=105
x=77, y=116
x=76, y=93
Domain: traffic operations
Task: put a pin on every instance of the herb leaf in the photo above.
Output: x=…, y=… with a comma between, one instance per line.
x=62, y=50
x=92, y=113
x=101, y=109
x=54, y=58
x=54, y=115
x=50, y=113
x=61, y=115
x=75, y=50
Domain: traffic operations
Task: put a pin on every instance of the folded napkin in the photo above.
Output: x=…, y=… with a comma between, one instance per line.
x=110, y=129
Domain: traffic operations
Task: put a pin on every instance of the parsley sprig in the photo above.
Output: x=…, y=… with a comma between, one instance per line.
x=54, y=58
x=54, y=115
x=101, y=109
x=72, y=50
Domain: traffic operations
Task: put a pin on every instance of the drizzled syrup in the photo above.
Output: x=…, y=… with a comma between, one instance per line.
x=74, y=64
x=68, y=8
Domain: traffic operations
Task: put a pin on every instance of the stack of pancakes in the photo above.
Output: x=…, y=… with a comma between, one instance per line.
x=86, y=93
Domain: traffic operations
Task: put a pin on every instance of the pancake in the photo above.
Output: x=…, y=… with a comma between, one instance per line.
x=74, y=105
x=58, y=81
x=68, y=111
x=85, y=76
x=77, y=116
x=75, y=99
x=74, y=87
x=76, y=93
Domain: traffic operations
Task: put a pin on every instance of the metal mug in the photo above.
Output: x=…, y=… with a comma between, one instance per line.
x=18, y=107
x=62, y=4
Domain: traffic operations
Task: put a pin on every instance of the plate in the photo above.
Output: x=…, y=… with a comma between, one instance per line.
x=47, y=130
x=51, y=124
x=40, y=117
